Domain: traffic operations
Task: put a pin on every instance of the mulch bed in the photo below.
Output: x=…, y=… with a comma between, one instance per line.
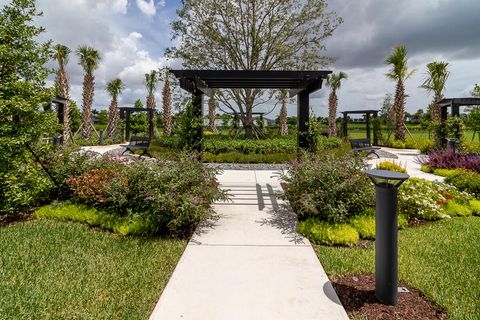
x=357, y=294
x=11, y=219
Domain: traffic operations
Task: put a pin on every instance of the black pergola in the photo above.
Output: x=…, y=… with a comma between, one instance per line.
x=125, y=113
x=300, y=83
x=454, y=104
x=367, y=114
x=60, y=102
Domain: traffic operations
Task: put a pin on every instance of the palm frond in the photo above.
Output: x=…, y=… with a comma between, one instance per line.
x=151, y=81
x=437, y=75
x=115, y=87
x=89, y=58
x=334, y=80
x=399, y=64
x=61, y=53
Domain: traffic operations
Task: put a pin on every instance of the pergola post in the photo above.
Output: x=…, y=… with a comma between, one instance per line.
x=375, y=137
x=127, y=125
x=367, y=118
x=443, y=125
x=150, y=124
x=197, y=101
x=303, y=111
x=345, y=125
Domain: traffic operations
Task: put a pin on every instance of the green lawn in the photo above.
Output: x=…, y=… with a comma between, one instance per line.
x=442, y=259
x=58, y=270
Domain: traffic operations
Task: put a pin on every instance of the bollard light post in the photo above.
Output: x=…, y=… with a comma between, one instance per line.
x=386, y=229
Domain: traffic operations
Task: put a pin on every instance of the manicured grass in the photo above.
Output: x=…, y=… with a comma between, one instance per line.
x=61, y=270
x=442, y=259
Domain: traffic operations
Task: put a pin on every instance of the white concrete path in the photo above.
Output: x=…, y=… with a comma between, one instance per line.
x=408, y=158
x=249, y=263
x=102, y=149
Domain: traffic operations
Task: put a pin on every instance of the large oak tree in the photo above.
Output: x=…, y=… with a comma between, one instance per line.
x=252, y=35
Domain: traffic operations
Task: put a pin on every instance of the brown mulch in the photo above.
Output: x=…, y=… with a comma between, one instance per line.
x=357, y=294
x=18, y=217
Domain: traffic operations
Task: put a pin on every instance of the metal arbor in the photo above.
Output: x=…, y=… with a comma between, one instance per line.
x=367, y=114
x=300, y=83
x=125, y=113
x=454, y=104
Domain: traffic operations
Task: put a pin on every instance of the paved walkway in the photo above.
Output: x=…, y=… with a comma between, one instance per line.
x=408, y=158
x=249, y=263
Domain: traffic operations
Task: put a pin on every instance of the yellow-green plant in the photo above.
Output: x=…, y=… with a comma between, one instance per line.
x=391, y=166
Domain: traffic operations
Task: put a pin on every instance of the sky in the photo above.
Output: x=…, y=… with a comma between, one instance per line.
x=132, y=36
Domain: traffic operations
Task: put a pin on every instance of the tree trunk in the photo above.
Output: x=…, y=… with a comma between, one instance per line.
x=167, y=107
x=112, y=126
x=212, y=109
x=150, y=101
x=62, y=82
x=248, y=119
x=435, y=112
x=332, y=114
x=399, y=108
x=87, y=100
x=283, y=119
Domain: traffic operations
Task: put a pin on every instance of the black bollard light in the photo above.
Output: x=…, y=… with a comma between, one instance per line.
x=386, y=229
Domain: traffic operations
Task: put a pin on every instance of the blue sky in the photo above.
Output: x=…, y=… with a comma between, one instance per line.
x=132, y=36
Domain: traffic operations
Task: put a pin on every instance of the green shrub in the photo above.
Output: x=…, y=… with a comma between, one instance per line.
x=328, y=187
x=365, y=226
x=446, y=172
x=390, y=166
x=402, y=221
x=424, y=146
x=425, y=199
x=455, y=209
x=327, y=143
x=475, y=206
x=275, y=145
x=95, y=218
x=426, y=169
x=398, y=144
x=237, y=157
x=321, y=232
x=468, y=181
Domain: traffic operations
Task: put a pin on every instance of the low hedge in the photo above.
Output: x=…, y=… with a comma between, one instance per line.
x=321, y=232
x=254, y=146
x=464, y=180
x=238, y=157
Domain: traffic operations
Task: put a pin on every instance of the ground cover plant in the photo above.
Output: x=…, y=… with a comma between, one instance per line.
x=62, y=270
x=449, y=159
x=439, y=258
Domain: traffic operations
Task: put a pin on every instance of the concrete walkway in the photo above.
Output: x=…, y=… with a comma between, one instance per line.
x=408, y=158
x=249, y=263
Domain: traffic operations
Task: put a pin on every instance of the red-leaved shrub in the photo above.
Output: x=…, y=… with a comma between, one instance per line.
x=448, y=159
x=92, y=185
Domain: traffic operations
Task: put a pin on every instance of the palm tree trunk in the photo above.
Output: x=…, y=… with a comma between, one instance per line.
x=112, y=126
x=87, y=99
x=167, y=108
x=150, y=101
x=61, y=81
x=332, y=114
x=399, y=107
x=283, y=118
x=212, y=109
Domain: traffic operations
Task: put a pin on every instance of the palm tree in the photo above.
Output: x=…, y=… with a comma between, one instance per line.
x=167, y=107
x=151, y=81
x=114, y=88
x=212, y=113
x=437, y=75
x=89, y=60
x=334, y=81
x=61, y=53
x=283, y=113
x=399, y=73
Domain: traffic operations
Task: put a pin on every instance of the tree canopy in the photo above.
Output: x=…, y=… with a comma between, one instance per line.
x=252, y=35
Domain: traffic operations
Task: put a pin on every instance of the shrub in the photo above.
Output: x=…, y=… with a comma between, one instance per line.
x=390, y=166
x=321, y=232
x=91, y=186
x=402, y=221
x=425, y=199
x=96, y=218
x=365, y=226
x=269, y=146
x=455, y=209
x=237, y=157
x=446, y=172
x=464, y=180
x=475, y=206
x=397, y=144
x=327, y=143
x=448, y=159
x=426, y=169
x=328, y=187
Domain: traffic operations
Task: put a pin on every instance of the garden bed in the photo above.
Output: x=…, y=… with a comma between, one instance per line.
x=357, y=294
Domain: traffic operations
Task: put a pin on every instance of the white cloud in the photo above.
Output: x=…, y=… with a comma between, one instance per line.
x=116, y=6
x=147, y=7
